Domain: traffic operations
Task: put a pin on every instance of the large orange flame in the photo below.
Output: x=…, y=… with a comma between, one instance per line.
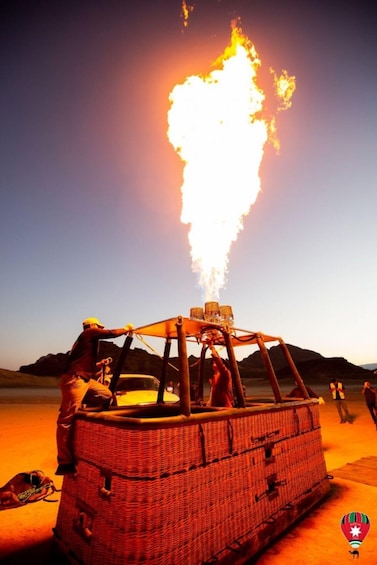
x=217, y=127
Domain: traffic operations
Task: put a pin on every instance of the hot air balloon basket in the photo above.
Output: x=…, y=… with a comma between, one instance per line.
x=216, y=486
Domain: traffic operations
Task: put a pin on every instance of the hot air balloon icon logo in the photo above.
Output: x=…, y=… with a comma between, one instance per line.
x=355, y=526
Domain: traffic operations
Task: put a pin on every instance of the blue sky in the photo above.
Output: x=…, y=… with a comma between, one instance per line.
x=90, y=186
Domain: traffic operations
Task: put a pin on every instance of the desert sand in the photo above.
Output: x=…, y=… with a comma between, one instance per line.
x=27, y=435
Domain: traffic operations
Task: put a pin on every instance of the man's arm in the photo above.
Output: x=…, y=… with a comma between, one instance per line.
x=217, y=359
x=105, y=333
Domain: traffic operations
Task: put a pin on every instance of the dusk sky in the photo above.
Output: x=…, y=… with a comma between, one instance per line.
x=90, y=185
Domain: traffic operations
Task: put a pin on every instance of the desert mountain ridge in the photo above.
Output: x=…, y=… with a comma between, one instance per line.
x=370, y=366
x=312, y=366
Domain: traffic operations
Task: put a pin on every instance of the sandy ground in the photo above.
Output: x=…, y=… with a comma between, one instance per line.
x=27, y=439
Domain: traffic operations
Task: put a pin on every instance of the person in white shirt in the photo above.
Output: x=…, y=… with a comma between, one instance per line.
x=337, y=390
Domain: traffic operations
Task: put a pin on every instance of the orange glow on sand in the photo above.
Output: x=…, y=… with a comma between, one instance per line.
x=216, y=124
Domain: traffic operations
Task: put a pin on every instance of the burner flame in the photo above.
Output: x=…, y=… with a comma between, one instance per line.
x=218, y=128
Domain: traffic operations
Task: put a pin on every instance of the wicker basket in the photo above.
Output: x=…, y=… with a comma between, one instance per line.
x=216, y=486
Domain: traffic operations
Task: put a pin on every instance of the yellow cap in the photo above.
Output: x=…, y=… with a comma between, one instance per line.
x=90, y=321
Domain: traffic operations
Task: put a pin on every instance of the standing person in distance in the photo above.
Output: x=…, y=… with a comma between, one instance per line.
x=369, y=393
x=78, y=384
x=337, y=390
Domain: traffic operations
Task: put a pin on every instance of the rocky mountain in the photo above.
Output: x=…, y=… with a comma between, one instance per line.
x=254, y=362
x=370, y=366
x=312, y=366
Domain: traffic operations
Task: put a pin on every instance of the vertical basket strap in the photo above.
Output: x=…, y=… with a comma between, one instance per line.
x=230, y=436
x=297, y=421
x=311, y=417
x=203, y=444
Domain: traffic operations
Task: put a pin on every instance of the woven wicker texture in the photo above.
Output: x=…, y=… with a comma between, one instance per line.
x=185, y=494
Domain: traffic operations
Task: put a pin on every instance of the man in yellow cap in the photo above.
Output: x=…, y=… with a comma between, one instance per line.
x=78, y=383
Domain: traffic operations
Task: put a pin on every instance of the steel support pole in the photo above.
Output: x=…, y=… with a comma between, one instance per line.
x=200, y=392
x=269, y=368
x=184, y=373
x=292, y=366
x=121, y=359
x=234, y=370
x=165, y=363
